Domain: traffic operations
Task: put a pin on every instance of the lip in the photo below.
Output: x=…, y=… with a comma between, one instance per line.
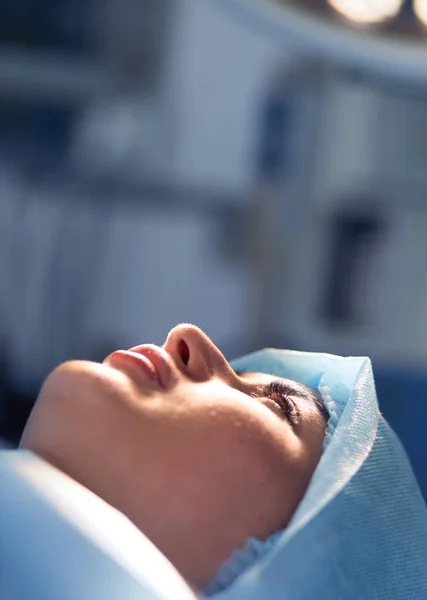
x=143, y=365
x=158, y=359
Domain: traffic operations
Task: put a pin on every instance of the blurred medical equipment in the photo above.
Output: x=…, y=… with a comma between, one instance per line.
x=350, y=222
x=341, y=181
x=367, y=12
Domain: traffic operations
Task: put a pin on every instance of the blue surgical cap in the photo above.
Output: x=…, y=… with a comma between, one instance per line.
x=361, y=529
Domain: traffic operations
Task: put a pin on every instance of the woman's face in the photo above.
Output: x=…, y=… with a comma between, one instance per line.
x=198, y=457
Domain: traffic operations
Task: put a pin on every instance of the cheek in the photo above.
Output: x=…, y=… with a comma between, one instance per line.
x=239, y=458
x=231, y=434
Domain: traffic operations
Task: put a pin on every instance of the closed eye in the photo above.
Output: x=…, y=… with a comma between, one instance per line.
x=281, y=393
x=286, y=396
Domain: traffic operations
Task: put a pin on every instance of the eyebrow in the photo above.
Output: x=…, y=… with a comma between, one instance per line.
x=304, y=391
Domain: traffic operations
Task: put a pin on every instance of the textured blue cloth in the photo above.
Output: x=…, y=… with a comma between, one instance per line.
x=360, y=532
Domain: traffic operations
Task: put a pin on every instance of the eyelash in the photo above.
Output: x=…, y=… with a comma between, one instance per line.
x=281, y=389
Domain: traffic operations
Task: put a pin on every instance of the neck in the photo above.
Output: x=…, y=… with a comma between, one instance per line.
x=196, y=551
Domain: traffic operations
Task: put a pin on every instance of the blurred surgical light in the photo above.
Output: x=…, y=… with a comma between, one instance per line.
x=368, y=12
x=420, y=9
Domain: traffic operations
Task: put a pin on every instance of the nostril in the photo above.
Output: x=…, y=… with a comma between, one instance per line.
x=184, y=351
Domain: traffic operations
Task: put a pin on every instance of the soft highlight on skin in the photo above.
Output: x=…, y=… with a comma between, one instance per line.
x=193, y=453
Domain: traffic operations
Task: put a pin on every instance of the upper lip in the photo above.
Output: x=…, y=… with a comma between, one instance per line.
x=159, y=359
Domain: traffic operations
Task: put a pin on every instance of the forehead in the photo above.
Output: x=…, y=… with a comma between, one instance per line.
x=259, y=377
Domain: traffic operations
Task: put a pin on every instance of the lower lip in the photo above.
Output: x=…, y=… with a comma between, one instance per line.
x=143, y=364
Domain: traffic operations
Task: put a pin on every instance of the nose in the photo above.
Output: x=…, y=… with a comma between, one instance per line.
x=195, y=354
